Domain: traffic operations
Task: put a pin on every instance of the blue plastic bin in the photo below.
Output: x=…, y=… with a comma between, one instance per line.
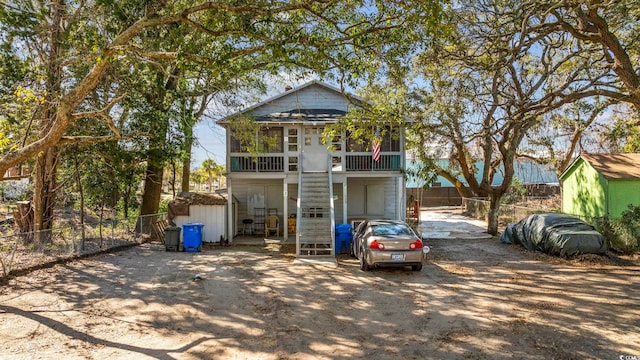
x=192, y=237
x=343, y=238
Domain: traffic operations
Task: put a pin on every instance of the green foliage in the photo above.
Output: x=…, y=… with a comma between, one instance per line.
x=622, y=134
x=516, y=193
x=164, y=205
x=426, y=172
x=131, y=67
x=245, y=130
x=623, y=234
x=383, y=110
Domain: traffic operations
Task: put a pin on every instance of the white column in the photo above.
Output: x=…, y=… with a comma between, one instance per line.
x=402, y=199
x=230, y=217
x=285, y=209
x=344, y=201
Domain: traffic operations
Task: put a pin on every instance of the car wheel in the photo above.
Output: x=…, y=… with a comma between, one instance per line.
x=416, y=267
x=363, y=262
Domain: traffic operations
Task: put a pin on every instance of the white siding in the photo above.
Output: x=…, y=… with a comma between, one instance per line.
x=212, y=216
x=391, y=194
x=337, y=191
x=359, y=193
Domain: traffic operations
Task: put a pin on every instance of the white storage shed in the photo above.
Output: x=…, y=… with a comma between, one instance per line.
x=209, y=209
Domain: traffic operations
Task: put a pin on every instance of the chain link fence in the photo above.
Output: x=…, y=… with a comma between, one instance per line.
x=478, y=208
x=20, y=252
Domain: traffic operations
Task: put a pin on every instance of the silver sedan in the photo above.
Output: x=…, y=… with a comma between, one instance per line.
x=386, y=243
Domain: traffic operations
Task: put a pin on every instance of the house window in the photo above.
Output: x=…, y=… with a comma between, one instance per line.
x=293, y=163
x=234, y=144
x=293, y=139
x=390, y=142
x=271, y=140
x=355, y=145
x=336, y=142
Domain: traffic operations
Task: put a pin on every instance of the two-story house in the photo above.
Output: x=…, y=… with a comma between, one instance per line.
x=303, y=180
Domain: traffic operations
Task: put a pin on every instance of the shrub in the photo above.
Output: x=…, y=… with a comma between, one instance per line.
x=623, y=234
x=516, y=194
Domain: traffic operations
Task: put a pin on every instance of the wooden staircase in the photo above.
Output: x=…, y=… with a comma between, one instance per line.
x=315, y=215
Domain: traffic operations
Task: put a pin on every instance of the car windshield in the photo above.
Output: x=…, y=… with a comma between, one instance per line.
x=390, y=229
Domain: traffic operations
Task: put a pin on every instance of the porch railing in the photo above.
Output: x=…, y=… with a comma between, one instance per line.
x=276, y=163
x=257, y=163
x=366, y=163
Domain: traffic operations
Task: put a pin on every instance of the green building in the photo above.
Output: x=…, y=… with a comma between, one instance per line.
x=601, y=185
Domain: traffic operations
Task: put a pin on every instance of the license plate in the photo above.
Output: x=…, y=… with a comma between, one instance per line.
x=397, y=257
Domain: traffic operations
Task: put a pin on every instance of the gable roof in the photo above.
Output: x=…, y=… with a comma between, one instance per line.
x=612, y=166
x=297, y=114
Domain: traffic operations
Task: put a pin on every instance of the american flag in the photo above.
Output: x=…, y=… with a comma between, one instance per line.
x=376, y=147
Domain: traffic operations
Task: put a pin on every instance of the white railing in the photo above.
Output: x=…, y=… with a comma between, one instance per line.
x=332, y=214
x=298, y=206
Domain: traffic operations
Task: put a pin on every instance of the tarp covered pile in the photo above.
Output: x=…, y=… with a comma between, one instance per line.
x=555, y=234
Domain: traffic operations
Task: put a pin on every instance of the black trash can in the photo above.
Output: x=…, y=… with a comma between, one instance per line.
x=172, y=238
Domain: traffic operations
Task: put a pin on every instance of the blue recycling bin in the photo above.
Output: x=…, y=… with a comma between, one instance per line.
x=343, y=238
x=192, y=237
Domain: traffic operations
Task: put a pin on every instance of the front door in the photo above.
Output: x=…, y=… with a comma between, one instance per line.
x=314, y=152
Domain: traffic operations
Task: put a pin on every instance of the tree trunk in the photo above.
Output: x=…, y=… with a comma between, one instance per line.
x=186, y=165
x=44, y=192
x=81, y=192
x=495, y=199
x=173, y=179
x=155, y=168
x=128, y=192
x=100, y=226
x=492, y=218
x=150, y=198
x=46, y=162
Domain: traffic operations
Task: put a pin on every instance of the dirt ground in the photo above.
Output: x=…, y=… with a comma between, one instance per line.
x=474, y=299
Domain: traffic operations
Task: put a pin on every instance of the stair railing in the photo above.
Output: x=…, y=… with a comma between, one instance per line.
x=332, y=215
x=298, y=204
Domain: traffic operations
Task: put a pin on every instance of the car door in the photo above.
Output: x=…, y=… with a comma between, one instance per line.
x=357, y=237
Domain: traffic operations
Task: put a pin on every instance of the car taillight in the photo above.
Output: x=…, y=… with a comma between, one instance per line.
x=376, y=245
x=415, y=245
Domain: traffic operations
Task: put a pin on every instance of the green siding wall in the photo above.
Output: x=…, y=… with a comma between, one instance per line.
x=584, y=191
x=621, y=194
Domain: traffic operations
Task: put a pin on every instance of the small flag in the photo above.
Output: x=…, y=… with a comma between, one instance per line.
x=376, y=147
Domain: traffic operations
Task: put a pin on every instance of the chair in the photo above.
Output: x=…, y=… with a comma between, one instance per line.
x=272, y=224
